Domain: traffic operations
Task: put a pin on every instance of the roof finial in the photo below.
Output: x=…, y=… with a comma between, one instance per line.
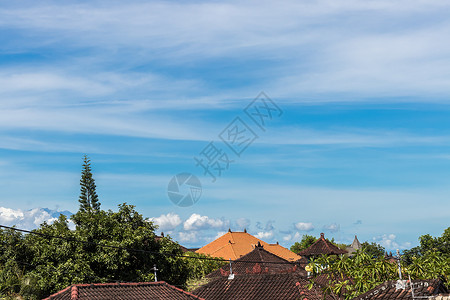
x=245, y=230
x=229, y=229
x=322, y=235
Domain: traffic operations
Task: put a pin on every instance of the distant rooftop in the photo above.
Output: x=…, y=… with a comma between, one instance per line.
x=233, y=245
x=322, y=246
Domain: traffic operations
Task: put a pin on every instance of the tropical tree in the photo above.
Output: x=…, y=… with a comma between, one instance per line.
x=305, y=242
x=350, y=277
x=373, y=249
x=88, y=198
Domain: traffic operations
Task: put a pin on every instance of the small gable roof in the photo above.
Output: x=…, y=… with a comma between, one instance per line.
x=388, y=290
x=322, y=246
x=265, y=262
x=233, y=245
x=126, y=291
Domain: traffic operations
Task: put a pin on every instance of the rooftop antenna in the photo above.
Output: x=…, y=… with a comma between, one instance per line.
x=399, y=265
x=231, y=276
x=154, y=269
x=401, y=284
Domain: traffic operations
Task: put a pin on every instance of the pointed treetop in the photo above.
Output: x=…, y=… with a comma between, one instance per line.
x=88, y=197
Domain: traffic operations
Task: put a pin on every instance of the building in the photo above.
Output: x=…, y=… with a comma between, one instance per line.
x=125, y=291
x=320, y=247
x=284, y=286
x=233, y=245
x=355, y=246
x=419, y=289
x=265, y=262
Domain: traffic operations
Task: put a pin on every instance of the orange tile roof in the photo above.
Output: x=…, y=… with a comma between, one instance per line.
x=233, y=245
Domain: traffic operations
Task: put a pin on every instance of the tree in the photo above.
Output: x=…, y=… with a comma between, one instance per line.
x=429, y=244
x=373, y=249
x=88, y=198
x=306, y=241
x=78, y=257
x=350, y=277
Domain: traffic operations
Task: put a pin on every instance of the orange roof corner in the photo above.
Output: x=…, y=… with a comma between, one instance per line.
x=233, y=245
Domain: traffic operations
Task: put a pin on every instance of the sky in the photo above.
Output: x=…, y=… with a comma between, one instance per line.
x=354, y=96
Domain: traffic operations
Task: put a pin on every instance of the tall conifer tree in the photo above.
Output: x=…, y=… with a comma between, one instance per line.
x=88, y=198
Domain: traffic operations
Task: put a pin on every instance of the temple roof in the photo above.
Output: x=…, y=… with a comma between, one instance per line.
x=322, y=246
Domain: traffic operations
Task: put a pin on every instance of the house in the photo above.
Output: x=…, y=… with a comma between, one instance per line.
x=265, y=262
x=355, y=246
x=284, y=286
x=233, y=245
x=390, y=290
x=125, y=291
x=322, y=246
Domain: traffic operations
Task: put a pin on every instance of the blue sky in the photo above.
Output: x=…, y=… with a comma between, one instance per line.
x=362, y=146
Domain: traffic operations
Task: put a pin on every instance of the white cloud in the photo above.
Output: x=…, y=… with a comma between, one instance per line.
x=243, y=223
x=332, y=227
x=198, y=222
x=298, y=236
x=287, y=238
x=263, y=235
x=187, y=237
x=389, y=241
x=304, y=226
x=167, y=222
x=27, y=219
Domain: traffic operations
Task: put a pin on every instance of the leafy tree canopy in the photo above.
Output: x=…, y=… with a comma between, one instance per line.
x=305, y=242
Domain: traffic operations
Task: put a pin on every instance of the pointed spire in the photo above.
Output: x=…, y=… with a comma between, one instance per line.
x=356, y=244
x=229, y=229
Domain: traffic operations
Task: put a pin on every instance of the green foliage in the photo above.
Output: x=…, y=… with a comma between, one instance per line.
x=350, y=277
x=35, y=265
x=52, y=264
x=88, y=198
x=306, y=241
x=373, y=249
x=429, y=244
x=200, y=266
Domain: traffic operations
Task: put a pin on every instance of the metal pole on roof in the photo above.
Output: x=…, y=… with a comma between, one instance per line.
x=399, y=265
x=154, y=269
x=412, y=287
x=231, y=276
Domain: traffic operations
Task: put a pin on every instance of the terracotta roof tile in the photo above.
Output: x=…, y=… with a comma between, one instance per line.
x=322, y=246
x=267, y=262
x=125, y=291
x=233, y=245
x=388, y=290
x=263, y=286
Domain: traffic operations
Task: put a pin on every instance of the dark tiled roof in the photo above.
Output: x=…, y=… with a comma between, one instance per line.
x=388, y=290
x=322, y=246
x=264, y=286
x=124, y=291
x=266, y=263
